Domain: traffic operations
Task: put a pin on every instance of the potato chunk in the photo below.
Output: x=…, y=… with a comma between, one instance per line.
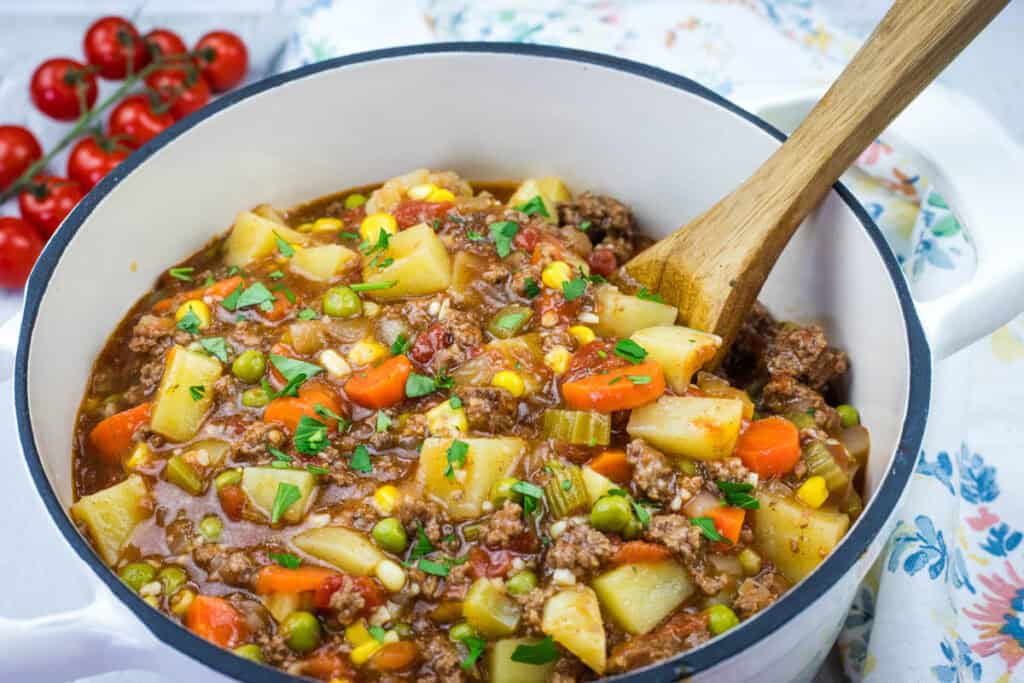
x=620, y=315
x=690, y=426
x=112, y=514
x=347, y=550
x=639, y=596
x=489, y=610
x=185, y=393
x=534, y=187
x=420, y=265
x=573, y=618
x=680, y=351
x=321, y=264
x=487, y=461
x=796, y=538
x=253, y=237
x=596, y=484
x=503, y=670
x=261, y=485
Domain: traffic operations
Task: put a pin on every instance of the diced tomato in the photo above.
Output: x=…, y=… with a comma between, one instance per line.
x=602, y=262
x=489, y=563
x=428, y=342
x=595, y=357
x=550, y=300
x=526, y=239
x=232, y=500
x=412, y=211
x=373, y=594
x=217, y=620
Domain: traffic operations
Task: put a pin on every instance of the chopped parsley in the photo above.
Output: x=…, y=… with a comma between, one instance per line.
x=196, y=391
x=383, y=240
x=279, y=455
x=310, y=435
x=456, y=457
x=643, y=515
x=307, y=314
x=474, y=236
x=503, y=232
x=360, y=460
x=455, y=402
x=286, y=560
x=286, y=249
x=215, y=346
x=286, y=496
x=348, y=235
x=288, y=294
x=423, y=545
x=190, y=322
x=294, y=371
x=419, y=385
x=476, y=647
x=316, y=469
x=648, y=295
x=255, y=294
x=573, y=289
x=208, y=281
x=276, y=275
x=378, y=633
x=372, y=286
x=566, y=484
x=616, y=492
x=534, y=207
x=543, y=652
x=510, y=322
x=630, y=350
x=639, y=379
x=531, y=289
x=230, y=302
x=183, y=273
x=234, y=270
x=584, y=226
x=532, y=495
x=383, y=421
x=707, y=527
x=431, y=567
x=400, y=345
x=737, y=494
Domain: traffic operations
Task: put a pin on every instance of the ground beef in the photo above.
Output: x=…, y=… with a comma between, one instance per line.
x=684, y=631
x=653, y=474
x=489, y=409
x=757, y=592
x=274, y=648
x=495, y=272
x=522, y=275
x=223, y=387
x=784, y=394
x=677, y=534
x=150, y=375
x=757, y=330
x=348, y=601
x=580, y=549
x=247, y=333
x=504, y=525
x=802, y=351
x=231, y=567
x=611, y=223
x=726, y=469
x=443, y=662
x=706, y=579
x=151, y=333
x=413, y=512
x=252, y=444
x=568, y=669
x=533, y=606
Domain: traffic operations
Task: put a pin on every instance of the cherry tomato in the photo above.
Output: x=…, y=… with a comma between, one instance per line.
x=93, y=158
x=223, y=58
x=114, y=47
x=135, y=119
x=48, y=202
x=164, y=42
x=55, y=86
x=174, y=88
x=19, y=248
x=18, y=150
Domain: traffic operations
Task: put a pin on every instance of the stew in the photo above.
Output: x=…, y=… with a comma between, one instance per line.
x=427, y=432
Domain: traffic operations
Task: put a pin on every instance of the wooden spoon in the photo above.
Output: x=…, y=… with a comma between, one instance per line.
x=713, y=268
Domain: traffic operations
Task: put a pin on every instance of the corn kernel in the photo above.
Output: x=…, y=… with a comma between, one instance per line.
x=557, y=359
x=555, y=274
x=443, y=420
x=325, y=224
x=385, y=497
x=813, y=492
x=510, y=382
x=305, y=227
x=336, y=366
x=370, y=309
x=582, y=334
x=391, y=636
x=371, y=226
x=358, y=634
x=391, y=575
x=366, y=351
x=422, y=191
x=441, y=195
x=363, y=652
x=198, y=308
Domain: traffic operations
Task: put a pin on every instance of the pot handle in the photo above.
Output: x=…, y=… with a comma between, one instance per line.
x=974, y=163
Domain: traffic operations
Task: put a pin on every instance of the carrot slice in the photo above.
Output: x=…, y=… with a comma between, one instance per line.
x=728, y=521
x=219, y=290
x=277, y=579
x=113, y=436
x=318, y=393
x=618, y=389
x=380, y=386
x=635, y=552
x=216, y=620
x=613, y=464
x=395, y=656
x=770, y=447
x=288, y=411
x=282, y=306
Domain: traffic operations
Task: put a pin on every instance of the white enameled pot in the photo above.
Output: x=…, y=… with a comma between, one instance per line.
x=664, y=144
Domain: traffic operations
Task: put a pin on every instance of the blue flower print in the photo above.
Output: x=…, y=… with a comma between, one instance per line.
x=1001, y=540
x=958, y=576
x=931, y=549
x=941, y=469
x=961, y=667
x=977, y=480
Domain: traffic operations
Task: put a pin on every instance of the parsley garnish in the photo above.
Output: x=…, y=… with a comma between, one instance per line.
x=286, y=249
x=288, y=294
x=423, y=545
x=503, y=232
x=639, y=379
x=541, y=653
x=641, y=512
x=196, y=391
x=183, y=273
x=707, y=527
x=476, y=647
x=566, y=484
x=584, y=226
x=215, y=346
x=279, y=454
x=276, y=275
x=456, y=457
x=287, y=495
x=346, y=234
x=648, y=295
x=431, y=567
x=230, y=302
x=307, y=314
x=616, y=492
x=630, y=350
x=400, y=345
x=383, y=421
x=573, y=289
x=474, y=236
x=190, y=322
x=510, y=322
x=419, y=385
x=310, y=435
x=383, y=240
x=316, y=469
x=360, y=460
x=234, y=270
x=286, y=560
x=294, y=371
x=532, y=494
x=738, y=494
x=208, y=281
x=531, y=289
x=455, y=402
x=255, y=295
x=372, y=286
x=534, y=206
x=378, y=633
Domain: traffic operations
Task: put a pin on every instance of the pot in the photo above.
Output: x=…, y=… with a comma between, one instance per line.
x=661, y=142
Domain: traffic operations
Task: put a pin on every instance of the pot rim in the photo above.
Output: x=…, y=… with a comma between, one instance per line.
x=751, y=632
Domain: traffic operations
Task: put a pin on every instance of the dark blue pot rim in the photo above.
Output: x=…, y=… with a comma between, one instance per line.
x=686, y=664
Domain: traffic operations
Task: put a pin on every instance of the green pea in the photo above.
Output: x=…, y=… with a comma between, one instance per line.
x=521, y=583
x=172, y=577
x=502, y=491
x=632, y=530
x=301, y=631
x=255, y=398
x=250, y=651
x=721, y=619
x=750, y=561
x=687, y=466
x=181, y=601
x=137, y=574
x=848, y=414
x=461, y=631
x=610, y=513
x=211, y=527
x=354, y=200
x=342, y=302
x=249, y=366
x=227, y=478
x=390, y=535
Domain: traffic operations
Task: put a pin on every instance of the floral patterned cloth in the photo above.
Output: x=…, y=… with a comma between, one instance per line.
x=946, y=600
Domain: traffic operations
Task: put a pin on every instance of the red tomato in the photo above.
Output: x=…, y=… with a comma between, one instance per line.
x=164, y=42
x=372, y=594
x=135, y=119
x=113, y=45
x=19, y=247
x=430, y=341
x=413, y=211
x=174, y=88
x=48, y=202
x=223, y=59
x=526, y=239
x=55, y=85
x=18, y=150
x=91, y=159
x=602, y=262
x=489, y=563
